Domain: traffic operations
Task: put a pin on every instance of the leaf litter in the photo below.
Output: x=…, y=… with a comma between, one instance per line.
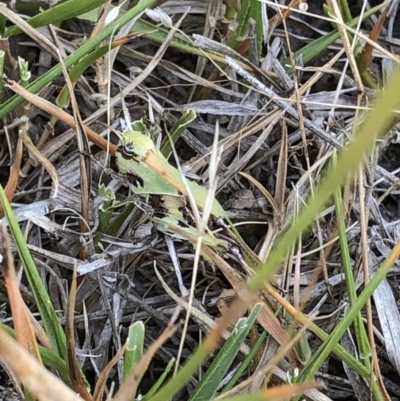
x=278, y=130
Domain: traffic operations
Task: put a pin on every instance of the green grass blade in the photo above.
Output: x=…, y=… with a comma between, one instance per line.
x=180, y=42
x=242, y=19
x=49, y=358
x=105, y=214
x=156, y=386
x=345, y=10
x=237, y=35
x=377, y=122
x=50, y=319
x=313, y=49
x=45, y=79
x=320, y=356
x=176, y=131
x=183, y=375
x=78, y=70
x=119, y=220
x=256, y=15
x=359, y=328
x=153, y=33
x=221, y=363
x=3, y=22
x=249, y=359
x=134, y=350
x=58, y=13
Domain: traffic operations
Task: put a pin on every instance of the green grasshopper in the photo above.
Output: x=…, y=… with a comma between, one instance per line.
x=138, y=157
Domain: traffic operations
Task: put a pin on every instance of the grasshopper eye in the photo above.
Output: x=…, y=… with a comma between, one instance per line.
x=127, y=150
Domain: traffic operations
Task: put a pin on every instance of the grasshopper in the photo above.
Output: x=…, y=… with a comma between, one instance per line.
x=138, y=157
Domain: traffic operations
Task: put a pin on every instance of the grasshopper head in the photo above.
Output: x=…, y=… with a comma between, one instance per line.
x=134, y=145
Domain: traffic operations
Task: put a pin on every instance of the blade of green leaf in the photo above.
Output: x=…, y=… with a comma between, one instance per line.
x=176, y=131
x=221, y=363
x=364, y=349
x=320, y=356
x=49, y=358
x=58, y=13
x=156, y=386
x=249, y=359
x=256, y=15
x=134, y=350
x=50, y=319
x=45, y=79
x=377, y=123
x=313, y=49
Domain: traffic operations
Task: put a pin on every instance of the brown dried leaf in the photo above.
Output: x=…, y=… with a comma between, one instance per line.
x=23, y=328
x=38, y=380
x=365, y=58
x=13, y=179
x=60, y=114
x=74, y=370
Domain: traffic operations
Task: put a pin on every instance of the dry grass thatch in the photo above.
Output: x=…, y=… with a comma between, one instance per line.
x=283, y=102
